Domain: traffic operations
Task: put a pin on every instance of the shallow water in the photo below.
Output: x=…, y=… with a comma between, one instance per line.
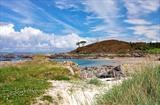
x=90, y=62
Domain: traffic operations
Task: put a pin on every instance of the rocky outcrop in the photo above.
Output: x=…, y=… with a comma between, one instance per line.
x=104, y=71
x=71, y=66
x=138, y=54
x=25, y=56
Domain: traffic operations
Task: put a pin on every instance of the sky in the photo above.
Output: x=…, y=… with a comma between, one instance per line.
x=56, y=25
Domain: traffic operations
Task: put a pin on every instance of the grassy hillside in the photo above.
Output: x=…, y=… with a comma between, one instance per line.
x=109, y=46
x=116, y=47
x=20, y=84
x=142, y=89
x=154, y=51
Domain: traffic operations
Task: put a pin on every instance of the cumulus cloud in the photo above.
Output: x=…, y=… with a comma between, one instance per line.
x=30, y=39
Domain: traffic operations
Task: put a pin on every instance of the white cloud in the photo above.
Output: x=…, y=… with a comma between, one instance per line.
x=137, y=8
x=31, y=39
x=29, y=13
x=99, y=28
x=137, y=21
x=6, y=29
x=24, y=9
x=108, y=12
x=137, y=11
x=103, y=9
x=152, y=32
x=64, y=4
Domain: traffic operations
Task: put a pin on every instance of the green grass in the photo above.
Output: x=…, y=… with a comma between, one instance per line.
x=95, y=81
x=154, y=51
x=20, y=84
x=47, y=98
x=142, y=89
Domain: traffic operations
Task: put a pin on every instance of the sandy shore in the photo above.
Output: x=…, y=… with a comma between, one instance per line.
x=135, y=60
x=82, y=93
x=75, y=93
x=133, y=64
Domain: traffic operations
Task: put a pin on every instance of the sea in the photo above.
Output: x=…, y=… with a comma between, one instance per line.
x=90, y=62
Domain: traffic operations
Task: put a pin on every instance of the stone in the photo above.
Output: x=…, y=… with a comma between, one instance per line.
x=71, y=66
x=105, y=71
x=104, y=75
x=117, y=68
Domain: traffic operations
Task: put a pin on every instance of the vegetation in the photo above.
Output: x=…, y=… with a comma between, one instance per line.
x=103, y=47
x=153, y=51
x=95, y=81
x=142, y=89
x=116, y=47
x=20, y=84
x=81, y=43
x=47, y=98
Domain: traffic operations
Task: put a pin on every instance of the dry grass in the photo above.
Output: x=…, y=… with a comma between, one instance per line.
x=142, y=89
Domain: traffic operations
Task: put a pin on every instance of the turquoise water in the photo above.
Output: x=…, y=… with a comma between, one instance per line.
x=90, y=62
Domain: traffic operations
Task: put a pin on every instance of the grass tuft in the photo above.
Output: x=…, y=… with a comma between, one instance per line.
x=95, y=81
x=142, y=89
x=47, y=98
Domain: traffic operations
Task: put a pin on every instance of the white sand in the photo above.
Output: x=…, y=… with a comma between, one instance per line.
x=75, y=93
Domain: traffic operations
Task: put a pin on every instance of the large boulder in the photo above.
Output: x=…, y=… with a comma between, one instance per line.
x=104, y=75
x=137, y=54
x=71, y=66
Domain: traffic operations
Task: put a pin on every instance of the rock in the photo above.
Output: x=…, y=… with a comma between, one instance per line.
x=69, y=63
x=117, y=74
x=104, y=75
x=138, y=54
x=118, y=68
x=70, y=69
x=25, y=56
x=71, y=66
x=105, y=71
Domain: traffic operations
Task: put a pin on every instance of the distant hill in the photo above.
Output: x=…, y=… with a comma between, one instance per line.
x=113, y=46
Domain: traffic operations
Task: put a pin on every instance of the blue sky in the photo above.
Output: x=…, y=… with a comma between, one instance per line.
x=41, y=25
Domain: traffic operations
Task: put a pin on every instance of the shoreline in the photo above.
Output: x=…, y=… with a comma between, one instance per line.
x=116, y=58
x=66, y=92
x=119, y=60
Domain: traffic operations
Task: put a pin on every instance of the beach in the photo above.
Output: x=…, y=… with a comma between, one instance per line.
x=68, y=92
